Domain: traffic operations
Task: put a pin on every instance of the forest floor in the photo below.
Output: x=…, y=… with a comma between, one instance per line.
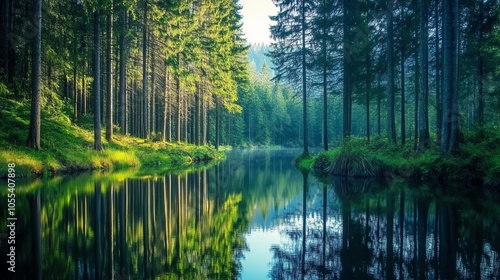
x=476, y=161
x=67, y=147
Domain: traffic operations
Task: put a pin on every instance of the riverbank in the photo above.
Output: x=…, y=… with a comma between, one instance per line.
x=478, y=160
x=67, y=147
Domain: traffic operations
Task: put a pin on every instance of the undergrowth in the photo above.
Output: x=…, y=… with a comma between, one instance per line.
x=477, y=159
x=68, y=147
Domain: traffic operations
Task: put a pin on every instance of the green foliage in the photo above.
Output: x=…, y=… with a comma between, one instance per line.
x=477, y=160
x=4, y=90
x=67, y=147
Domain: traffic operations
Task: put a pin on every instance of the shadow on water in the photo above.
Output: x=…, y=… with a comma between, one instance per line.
x=199, y=225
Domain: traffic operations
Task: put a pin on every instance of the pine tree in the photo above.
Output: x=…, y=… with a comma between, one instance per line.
x=36, y=98
x=96, y=68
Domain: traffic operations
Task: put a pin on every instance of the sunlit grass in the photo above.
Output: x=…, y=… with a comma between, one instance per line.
x=68, y=147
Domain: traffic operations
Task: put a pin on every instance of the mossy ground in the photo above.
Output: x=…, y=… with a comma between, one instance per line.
x=478, y=158
x=68, y=147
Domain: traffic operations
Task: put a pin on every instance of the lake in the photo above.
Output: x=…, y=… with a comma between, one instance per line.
x=252, y=216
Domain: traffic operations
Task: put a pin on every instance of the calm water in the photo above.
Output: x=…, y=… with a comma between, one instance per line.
x=253, y=216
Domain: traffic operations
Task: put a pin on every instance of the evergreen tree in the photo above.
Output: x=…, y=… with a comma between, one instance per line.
x=289, y=51
x=36, y=98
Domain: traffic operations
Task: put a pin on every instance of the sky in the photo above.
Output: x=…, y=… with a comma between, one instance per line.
x=256, y=19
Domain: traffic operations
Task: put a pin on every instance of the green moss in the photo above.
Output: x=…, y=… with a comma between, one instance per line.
x=67, y=147
x=304, y=162
x=478, y=159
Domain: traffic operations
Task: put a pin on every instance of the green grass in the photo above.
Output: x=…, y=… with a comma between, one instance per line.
x=304, y=162
x=67, y=147
x=478, y=158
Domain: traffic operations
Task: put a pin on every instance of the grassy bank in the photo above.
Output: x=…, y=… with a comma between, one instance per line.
x=477, y=160
x=67, y=147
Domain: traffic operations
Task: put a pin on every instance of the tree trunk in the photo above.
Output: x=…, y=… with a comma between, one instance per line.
x=480, y=70
x=97, y=79
x=403, y=97
x=424, y=139
x=449, y=141
x=84, y=96
x=165, y=106
x=178, y=91
x=75, y=95
x=196, y=118
x=203, y=117
x=217, y=124
x=346, y=102
x=109, y=78
x=391, y=129
x=325, y=97
x=66, y=87
x=145, y=105
x=439, y=112
x=36, y=98
x=304, y=93
x=123, y=75
x=153, y=93
x=368, y=90
x=403, y=87
x=417, y=90
x=378, y=106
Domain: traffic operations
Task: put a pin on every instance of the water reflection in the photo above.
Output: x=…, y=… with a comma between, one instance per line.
x=377, y=231
x=165, y=227
x=252, y=216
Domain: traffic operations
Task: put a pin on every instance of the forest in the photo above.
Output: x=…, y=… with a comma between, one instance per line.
x=415, y=78
x=152, y=139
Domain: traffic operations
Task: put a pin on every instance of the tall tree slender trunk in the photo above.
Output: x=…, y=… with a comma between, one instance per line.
x=165, y=106
x=325, y=86
x=145, y=104
x=84, y=94
x=196, y=118
x=36, y=98
x=439, y=111
x=403, y=86
x=109, y=76
x=378, y=105
x=153, y=93
x=347, y=56
x=217, y=124
x=480, y=68
x=304, y=92
x=203, y=117
x=423, y=49
x=97, y=79
x=403, y=97
x=178, y=117
x=449, y=141
x=417, y=90
x=391, y=128
x=368, y=90
x=123, y=74
x=75, y=95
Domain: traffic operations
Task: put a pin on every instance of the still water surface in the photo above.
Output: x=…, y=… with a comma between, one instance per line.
x=253, y=216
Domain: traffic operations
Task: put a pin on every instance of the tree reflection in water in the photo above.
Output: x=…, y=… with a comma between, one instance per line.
x=364, y=229
x=164, y=227
x=193, y=226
